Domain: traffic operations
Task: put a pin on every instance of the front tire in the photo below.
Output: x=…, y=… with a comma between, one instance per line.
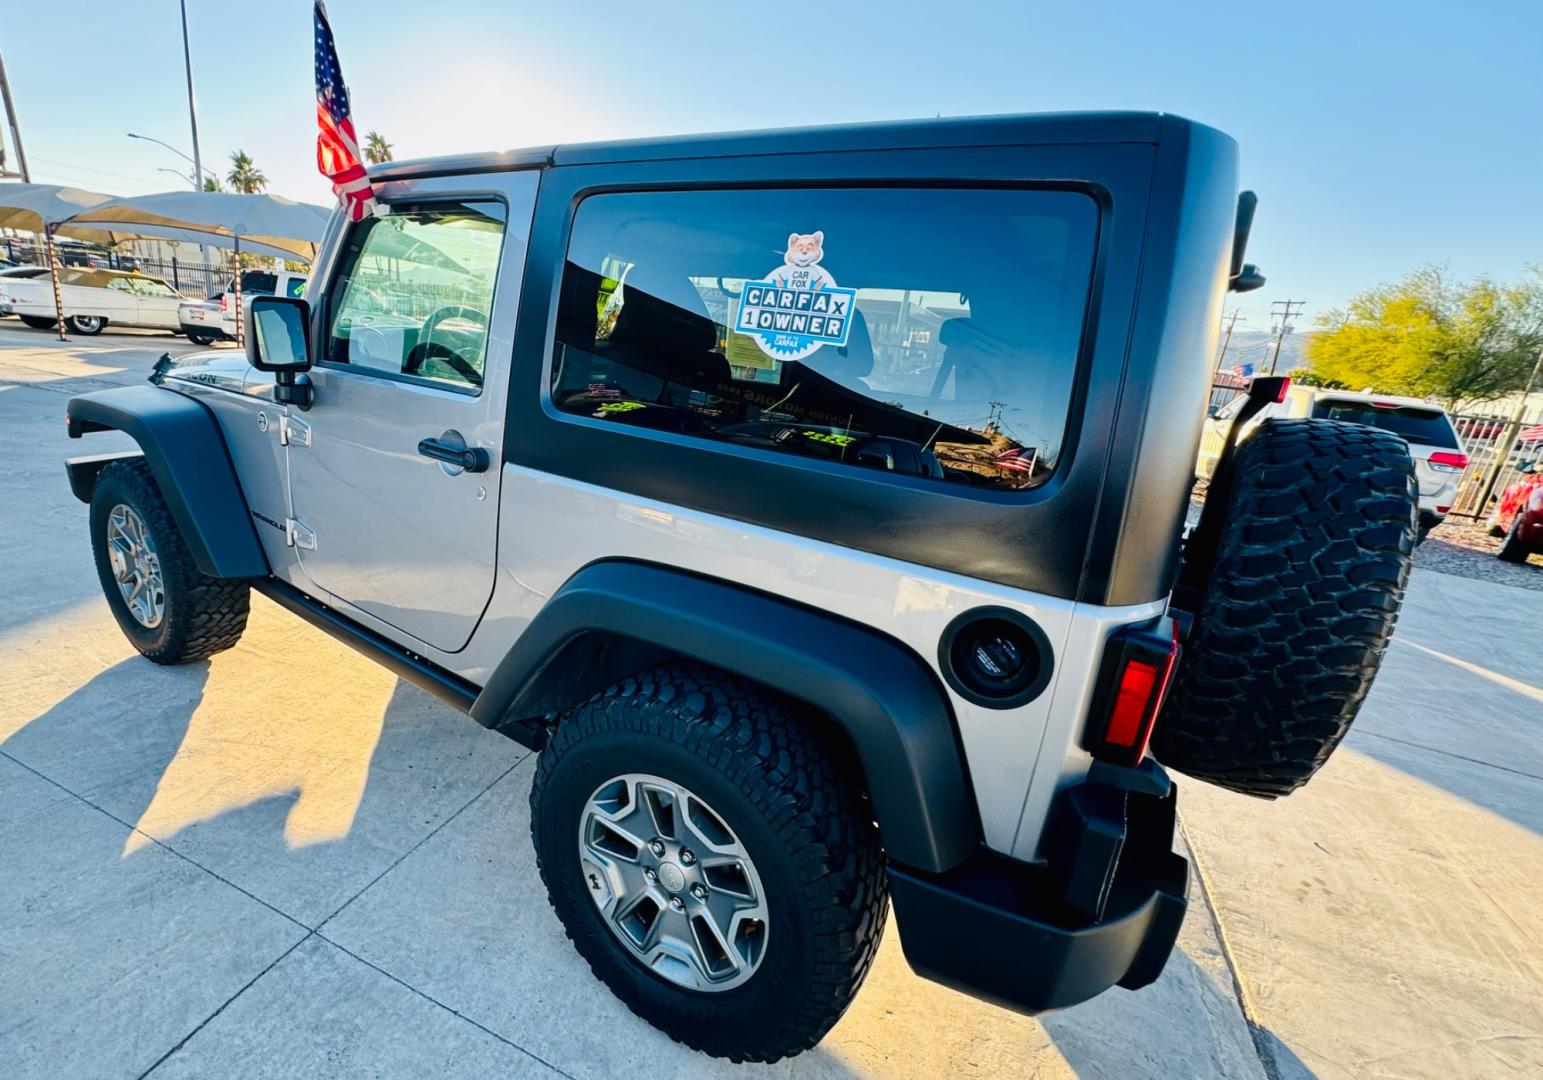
x=698, y=759
x=86, y=324
x=169, y=611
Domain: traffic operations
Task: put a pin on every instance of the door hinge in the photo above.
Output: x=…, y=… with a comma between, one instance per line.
x=299, y=535
x=294, y=431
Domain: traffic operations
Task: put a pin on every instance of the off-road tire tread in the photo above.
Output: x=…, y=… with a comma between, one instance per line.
x=806, y=785
x=1308, y=581
x=204, y=615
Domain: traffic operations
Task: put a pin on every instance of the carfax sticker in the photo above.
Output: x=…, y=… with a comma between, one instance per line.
x=798, y=307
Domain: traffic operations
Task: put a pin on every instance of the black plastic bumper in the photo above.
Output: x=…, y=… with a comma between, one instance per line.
x=1105, y=911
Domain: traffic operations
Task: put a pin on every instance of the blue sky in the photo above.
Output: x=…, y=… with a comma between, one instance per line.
x=1379, y=135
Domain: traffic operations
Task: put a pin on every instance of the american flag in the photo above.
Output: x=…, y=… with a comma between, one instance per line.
x=1531, y=434
x=337, y=147
x=1017, y=460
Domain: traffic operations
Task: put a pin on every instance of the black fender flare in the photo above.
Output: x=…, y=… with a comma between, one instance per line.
x=182, y=443
x=890, y=704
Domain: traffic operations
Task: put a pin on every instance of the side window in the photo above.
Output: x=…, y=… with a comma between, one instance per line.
x=919, y=332
x=414, y=292
x=123, y=285
x=152, y=287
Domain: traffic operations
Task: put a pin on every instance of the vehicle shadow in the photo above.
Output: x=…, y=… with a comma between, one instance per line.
x=1188, y=1023
x=111, y=739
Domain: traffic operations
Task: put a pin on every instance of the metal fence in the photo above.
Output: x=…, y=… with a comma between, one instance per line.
x=193, y=279
x=1500, y=451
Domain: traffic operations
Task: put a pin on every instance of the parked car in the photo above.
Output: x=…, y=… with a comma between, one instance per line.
x=776, y=684
x=1518, y=517
x=13, y=272
x=207, y=321
x=1439, y=459
x=94, y=298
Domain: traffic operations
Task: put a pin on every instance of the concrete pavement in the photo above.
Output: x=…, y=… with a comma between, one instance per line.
x=284, y=862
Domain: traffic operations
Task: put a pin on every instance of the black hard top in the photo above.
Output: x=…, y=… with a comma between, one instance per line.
x=1033, y=129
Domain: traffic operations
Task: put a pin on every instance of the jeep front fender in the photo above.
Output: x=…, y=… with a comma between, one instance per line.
x=880, y=692
x=187, y=455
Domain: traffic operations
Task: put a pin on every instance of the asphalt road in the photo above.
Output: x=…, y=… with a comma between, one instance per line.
x=284, y=862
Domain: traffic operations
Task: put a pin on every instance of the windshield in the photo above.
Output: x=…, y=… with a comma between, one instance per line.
x=1424, y=427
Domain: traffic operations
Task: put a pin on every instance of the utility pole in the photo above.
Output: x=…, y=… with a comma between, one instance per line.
x=1232, y=320
x=10, y=113
x=187, y=62
x=1508, y=440
x=1288, y=310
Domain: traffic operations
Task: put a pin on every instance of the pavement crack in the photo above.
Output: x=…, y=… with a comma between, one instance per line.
x=158, y=843
x=425, y=839
x=1256, y=1032
x=205, y=1021
x=431, y=999
x=1448, y=753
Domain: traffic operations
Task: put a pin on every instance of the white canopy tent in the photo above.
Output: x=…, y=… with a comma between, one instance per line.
x=39, y=208
x=266, y=221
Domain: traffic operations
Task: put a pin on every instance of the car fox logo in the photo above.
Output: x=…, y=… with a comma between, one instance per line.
x=798, y=307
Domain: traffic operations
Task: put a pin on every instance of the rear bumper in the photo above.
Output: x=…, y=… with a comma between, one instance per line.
x=1106, y=911
x=205, y=330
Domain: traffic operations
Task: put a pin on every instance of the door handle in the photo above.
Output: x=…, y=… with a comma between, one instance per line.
x=466, y=458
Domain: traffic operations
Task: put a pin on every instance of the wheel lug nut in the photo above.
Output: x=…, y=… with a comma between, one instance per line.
x=699, y=891
x=686, y=857
x=649, y=874
x=676, y=904
x=657, y=847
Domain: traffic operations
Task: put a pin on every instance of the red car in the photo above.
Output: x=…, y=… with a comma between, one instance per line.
x=1519, y=517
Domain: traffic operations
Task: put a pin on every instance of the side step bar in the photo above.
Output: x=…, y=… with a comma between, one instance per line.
x=429, y=677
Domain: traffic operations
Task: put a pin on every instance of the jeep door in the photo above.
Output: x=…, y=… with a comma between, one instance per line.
x=411, y=338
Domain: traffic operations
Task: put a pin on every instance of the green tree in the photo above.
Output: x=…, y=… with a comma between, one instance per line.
x=1428, y=336
x=376, y=148
x=244, y=176
x=212, y=183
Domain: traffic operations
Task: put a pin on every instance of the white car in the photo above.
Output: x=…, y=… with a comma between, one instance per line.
x=214, y=319
x=13, y=274
x=1438, y=454
x=94, y=298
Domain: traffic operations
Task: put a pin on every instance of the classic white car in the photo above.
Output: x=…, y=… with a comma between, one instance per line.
x=11, y=274
x=94, y=298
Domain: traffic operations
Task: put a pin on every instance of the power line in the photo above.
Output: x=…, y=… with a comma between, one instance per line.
x=1285, y=311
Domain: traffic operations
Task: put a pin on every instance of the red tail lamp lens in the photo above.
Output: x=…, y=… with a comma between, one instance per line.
x=1285, y=384
x=1451, y=461
x=1138, y=668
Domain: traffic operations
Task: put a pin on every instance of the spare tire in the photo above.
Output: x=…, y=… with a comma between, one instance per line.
x=1313, y=556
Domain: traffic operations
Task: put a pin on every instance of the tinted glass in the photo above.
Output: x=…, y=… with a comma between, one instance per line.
x=414, y=293
x=928, y=333
x=1425, y=427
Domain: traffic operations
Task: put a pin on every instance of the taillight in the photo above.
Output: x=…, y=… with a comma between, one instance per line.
x=1133, y=681
x=224, y=302
x=1449, y=462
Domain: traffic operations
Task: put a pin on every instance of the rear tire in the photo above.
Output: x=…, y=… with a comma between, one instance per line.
x=1512, y=550
x=200, y=339
x=37, y=322
x=782, y=789
x=86, y=324
x=1309, y=576
x=169, y=611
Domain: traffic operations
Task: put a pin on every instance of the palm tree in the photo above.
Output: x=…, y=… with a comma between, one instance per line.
x=244, y=176
x=376, y=148
x=212, y=183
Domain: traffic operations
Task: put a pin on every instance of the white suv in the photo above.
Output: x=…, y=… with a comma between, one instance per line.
x=1438, y=454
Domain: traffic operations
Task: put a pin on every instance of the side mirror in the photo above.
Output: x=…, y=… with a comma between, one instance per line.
x=277, y=340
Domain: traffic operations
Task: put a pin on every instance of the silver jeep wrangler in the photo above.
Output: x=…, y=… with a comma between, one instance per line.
x=814, y=502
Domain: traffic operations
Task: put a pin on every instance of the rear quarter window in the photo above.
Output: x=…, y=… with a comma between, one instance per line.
x=1423, y=427
x=929, y=333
